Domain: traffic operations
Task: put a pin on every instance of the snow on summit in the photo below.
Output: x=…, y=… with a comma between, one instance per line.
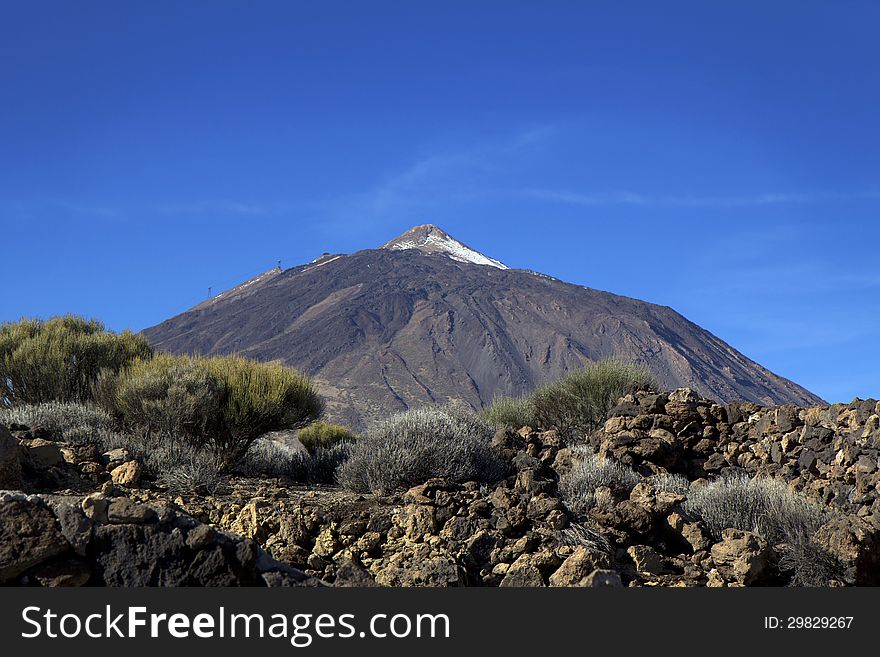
x=430, y=239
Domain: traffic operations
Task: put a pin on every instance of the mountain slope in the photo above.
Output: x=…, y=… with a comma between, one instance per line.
x=428, y=319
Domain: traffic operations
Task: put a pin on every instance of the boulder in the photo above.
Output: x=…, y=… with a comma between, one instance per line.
x=523, y=574
x=602, y=579
x=431, y=572
x=10, y=465
x=29, y=536
x=742, y=556
x=127, y=474
x=95, y=507
x=856, y=545
x=577, y=568
x=419, y=521
x=684, y=396
x=64, y=573
x=125, y=511
x=327, y=543
x=648, y=561
x=353, y=575
x=42, y=453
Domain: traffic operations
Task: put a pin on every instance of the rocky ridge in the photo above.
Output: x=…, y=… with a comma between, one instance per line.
x=520, y=532
x=107, y=537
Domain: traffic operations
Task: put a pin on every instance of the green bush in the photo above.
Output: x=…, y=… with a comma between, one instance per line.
x=168, y=395
x=510, y=413
x=323, y=435
x=580, y=402
x=220, y=404
x=60, y=359
x=411, y=447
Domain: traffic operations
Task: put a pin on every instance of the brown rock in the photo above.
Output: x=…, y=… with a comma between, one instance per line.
x=577, y=568
x=327, y=543
x=419, y=521
x=742, y=556
x=43, y=453
x=67, y=573
x=201, y=537
x=602, y=579
x=857, y=545
x=432, y=572
x=693, y=533
x=10, y=466
x=95, y=507
x=252, y=522
x=123, y=511
x=29, y=535
x=127, y=474
x=523, y=574
x=654, y=501
x=647, y=560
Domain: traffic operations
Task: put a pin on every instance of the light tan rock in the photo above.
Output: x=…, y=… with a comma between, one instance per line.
x=127, y=474
x=575, y=570
x=741, y=556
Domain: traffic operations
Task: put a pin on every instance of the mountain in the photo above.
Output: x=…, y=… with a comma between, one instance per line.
x=426, y=318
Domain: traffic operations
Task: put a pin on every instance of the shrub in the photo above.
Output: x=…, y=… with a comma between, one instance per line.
x=181, y=466
x=77, y=424
x=60, y=418
x=411, y=447
x=221, y=404
x=577, y=487
x=763, y=506
x=60, y=359
x=258, y=398
x=780, y=516
x=510, y=413
x=581, y=401
x=323, y=435
x=269, y=458
x=670, y=483
x=190, y=470
x=169, y=395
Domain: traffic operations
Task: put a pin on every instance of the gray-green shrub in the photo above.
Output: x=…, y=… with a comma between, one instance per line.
x=670, y=483
x=768, y=508
x=62, y=418
x=510, y=413
x=764, y=506
x=59, y=359
x=181, y=466
x=577, y=487
x=269, y=458
x=411, y=447
x=580, y=402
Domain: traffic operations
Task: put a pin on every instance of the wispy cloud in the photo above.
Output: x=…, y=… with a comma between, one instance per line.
x=694, y=201
x=227, y=207
x=450, y=175
x=25, y=210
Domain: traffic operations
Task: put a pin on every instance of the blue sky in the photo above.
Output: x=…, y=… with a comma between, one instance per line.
x=720, y=158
